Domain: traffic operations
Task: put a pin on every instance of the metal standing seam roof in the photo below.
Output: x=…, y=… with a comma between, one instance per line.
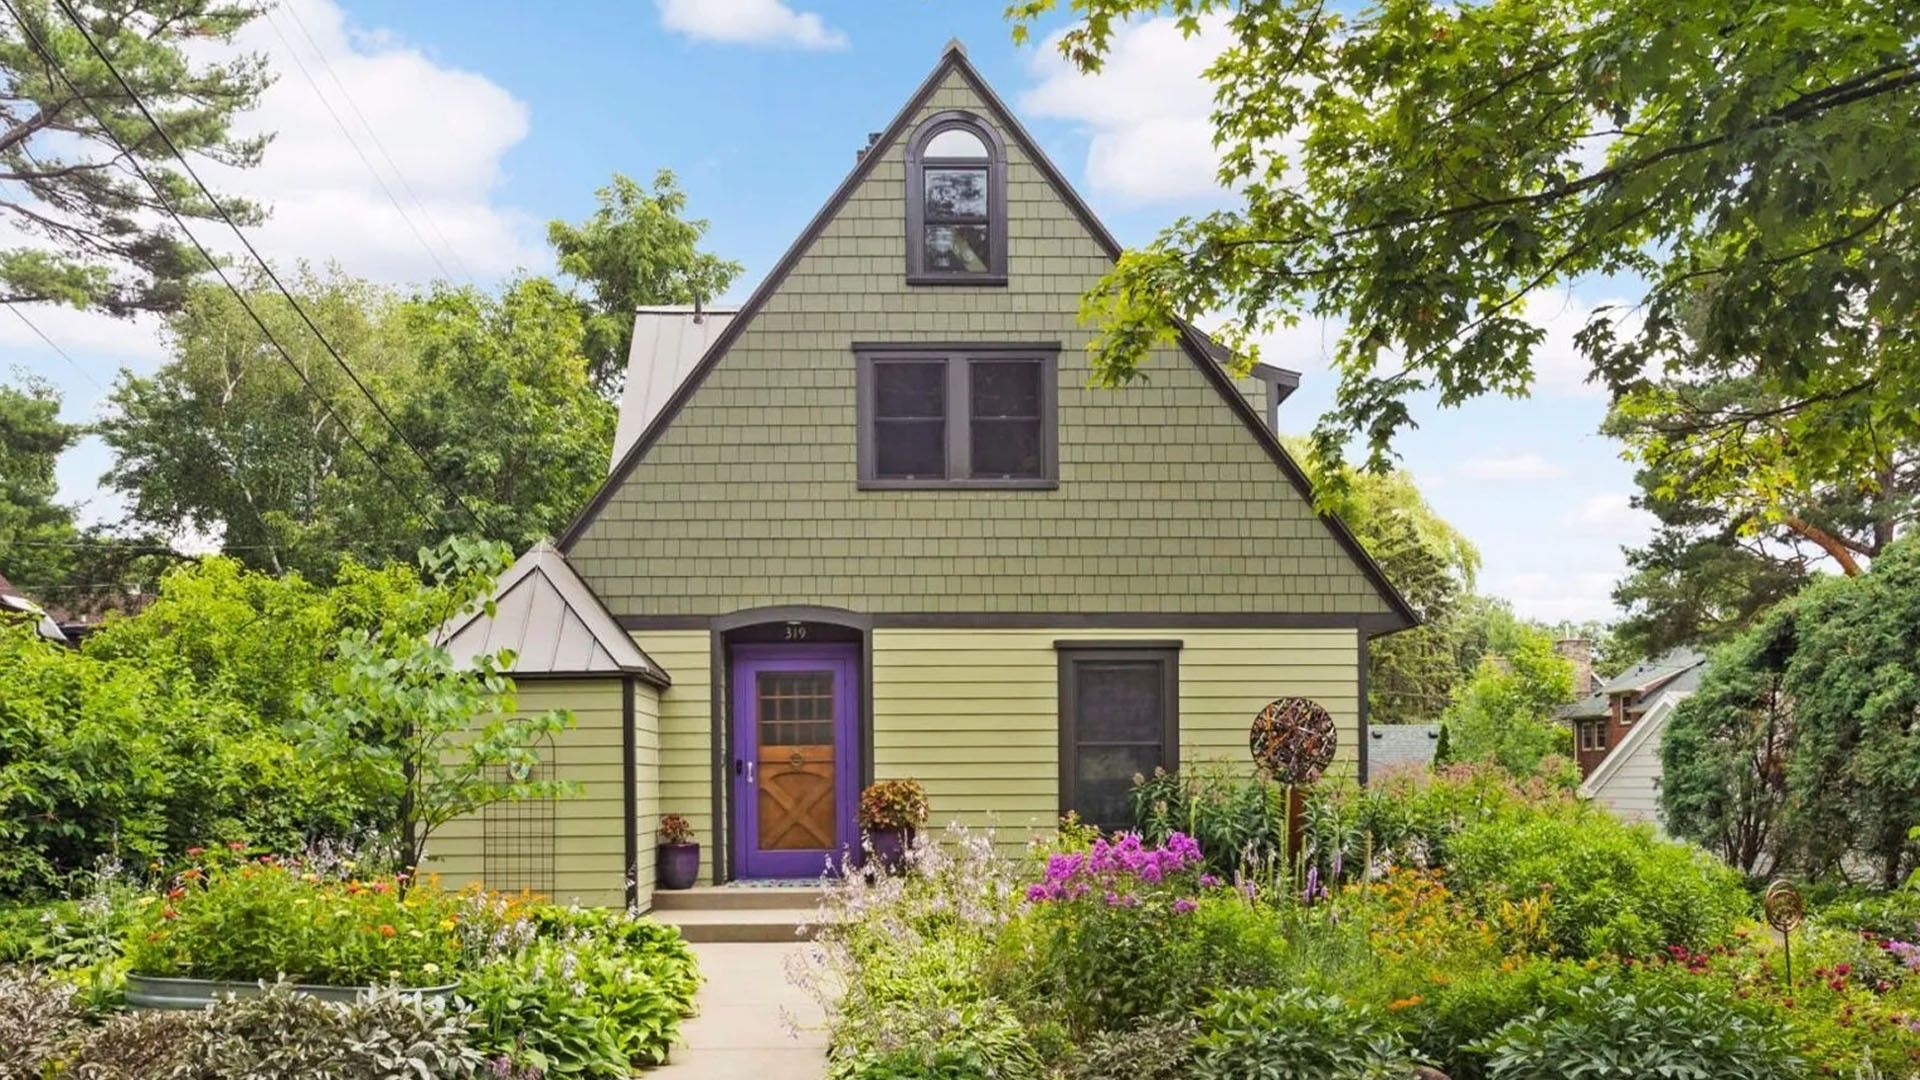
x=668, y=342
x=552, y=622
x=1398, y=746
x=12, y=600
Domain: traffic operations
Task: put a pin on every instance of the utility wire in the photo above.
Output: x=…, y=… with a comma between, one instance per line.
x=73, y=16
x=55, y=346
x=419, y=203
x=412, y=227
x=166, y=204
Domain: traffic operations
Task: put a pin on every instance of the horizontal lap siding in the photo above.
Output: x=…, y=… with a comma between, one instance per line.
x=974, y=714
x=589, y=832
x=686, y=733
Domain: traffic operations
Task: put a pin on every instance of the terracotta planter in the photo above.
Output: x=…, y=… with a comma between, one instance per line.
x=157, y=992
x=890, y=848
x=679, y=865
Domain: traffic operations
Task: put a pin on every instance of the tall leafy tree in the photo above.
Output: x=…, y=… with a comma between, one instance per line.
x=1419, y=170
x=37, y=534
x=636, y=248
x=1411, y=675
x=493, y=390
x=1504, y=712
x=92, y=234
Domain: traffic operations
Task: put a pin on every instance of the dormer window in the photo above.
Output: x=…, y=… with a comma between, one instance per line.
x=956, y=203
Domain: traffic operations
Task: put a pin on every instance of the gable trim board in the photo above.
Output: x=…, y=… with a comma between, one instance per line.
x=1368, y=624
x=1191, y=341
x=1643, y=729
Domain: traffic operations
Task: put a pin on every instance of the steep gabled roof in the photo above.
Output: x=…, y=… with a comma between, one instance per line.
x=1199, y=349
x=668, y=341
x=552, y=622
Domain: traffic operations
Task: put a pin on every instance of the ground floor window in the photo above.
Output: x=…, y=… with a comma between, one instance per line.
x=1119, y=717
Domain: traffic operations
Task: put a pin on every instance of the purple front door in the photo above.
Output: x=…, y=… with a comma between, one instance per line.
x=796, y=771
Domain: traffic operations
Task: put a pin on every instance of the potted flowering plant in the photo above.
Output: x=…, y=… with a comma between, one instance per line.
x=679, y=853
x=891, y=811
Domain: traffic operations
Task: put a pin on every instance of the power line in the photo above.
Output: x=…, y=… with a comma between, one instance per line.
x=55, y=346
x=293, y=55
x=166, y=204
x=72, y=16
x=419, y=203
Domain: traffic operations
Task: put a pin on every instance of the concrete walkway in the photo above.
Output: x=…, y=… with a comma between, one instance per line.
x=739, y=1033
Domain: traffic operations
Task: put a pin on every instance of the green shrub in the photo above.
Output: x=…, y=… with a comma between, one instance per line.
x=1612, y=888
x=1628, y=1027
x=1410, y=819
x=225, y=918
x=932, y=1040
x=584, y=1006
x=1295, y=1035
x=1451, y=1018
x=284, y=1035
x=1155, y=1050
x=1238, y=819
x=652, y=949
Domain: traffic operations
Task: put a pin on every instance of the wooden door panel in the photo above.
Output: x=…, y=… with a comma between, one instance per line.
x=795, y=759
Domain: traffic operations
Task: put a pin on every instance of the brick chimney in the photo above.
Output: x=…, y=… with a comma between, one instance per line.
x=1579, y=653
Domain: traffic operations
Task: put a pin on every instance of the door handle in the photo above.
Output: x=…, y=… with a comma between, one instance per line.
x=749, y=774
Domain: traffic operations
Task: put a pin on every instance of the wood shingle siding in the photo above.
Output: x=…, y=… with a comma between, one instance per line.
x=749, y=497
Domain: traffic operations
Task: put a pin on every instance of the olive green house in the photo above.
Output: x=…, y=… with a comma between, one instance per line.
x=874, y=523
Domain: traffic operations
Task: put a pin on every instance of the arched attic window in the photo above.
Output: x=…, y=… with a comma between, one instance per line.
x=956, y=202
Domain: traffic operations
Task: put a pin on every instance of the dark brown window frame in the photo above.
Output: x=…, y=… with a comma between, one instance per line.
x=958, y=358
x=1071, y=653
x=918, y=163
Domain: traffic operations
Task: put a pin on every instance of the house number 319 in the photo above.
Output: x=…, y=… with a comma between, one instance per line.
x=796, y=633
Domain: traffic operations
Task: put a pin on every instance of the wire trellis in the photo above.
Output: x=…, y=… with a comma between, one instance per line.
x=517, y=837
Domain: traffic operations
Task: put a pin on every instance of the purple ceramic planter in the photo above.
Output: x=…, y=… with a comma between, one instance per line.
x=679, y=865
x=890, y=848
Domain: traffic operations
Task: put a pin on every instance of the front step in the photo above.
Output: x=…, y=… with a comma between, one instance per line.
x=740, y=924
x=736, y=898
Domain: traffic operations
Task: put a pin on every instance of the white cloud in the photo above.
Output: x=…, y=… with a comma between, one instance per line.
x=749, y=22
x=446, y=131
x=1552, y=597
x=1519, y=466
x=1148, y=110
x=1609, y=516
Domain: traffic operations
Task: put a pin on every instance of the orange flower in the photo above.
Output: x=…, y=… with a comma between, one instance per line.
x=1405, y=1003
x=387, y=930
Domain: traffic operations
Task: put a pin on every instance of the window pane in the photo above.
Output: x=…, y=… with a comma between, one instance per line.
x=1119, y=701
x=909, y=449
x=796, y=708
x=1007, y=448
x=956, y=193
x=910, y=389
x=956, y=143
x=1103, y=782
x=957, y=248
x=1005, y=388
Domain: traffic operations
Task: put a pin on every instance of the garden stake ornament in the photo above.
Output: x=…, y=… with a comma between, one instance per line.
x=1292, y=741
x=1785, y=910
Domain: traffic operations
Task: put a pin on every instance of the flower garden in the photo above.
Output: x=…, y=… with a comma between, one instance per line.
x=1462, y=925
x=458, y=983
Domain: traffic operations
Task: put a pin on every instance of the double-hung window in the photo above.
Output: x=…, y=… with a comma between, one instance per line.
x=1119, y=718
x=957, y=416
x=956, y=202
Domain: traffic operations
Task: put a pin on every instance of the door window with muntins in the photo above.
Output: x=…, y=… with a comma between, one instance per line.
x=1119, y=719
x=794, y=721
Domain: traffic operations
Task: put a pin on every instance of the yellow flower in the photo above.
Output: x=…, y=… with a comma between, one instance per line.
x=430, y=968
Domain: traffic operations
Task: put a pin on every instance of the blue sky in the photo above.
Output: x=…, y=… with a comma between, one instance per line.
x=486, y=119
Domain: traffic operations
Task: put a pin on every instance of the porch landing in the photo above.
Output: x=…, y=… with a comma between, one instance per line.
x=766, y=913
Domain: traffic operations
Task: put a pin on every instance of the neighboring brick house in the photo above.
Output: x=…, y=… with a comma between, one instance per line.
x=875, y=523
x=1601, y=719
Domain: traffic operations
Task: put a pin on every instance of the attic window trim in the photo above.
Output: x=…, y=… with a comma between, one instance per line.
x=957, y=360
x=917, y=165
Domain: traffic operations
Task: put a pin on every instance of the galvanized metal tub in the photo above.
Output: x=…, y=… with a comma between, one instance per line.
x=156, y=992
